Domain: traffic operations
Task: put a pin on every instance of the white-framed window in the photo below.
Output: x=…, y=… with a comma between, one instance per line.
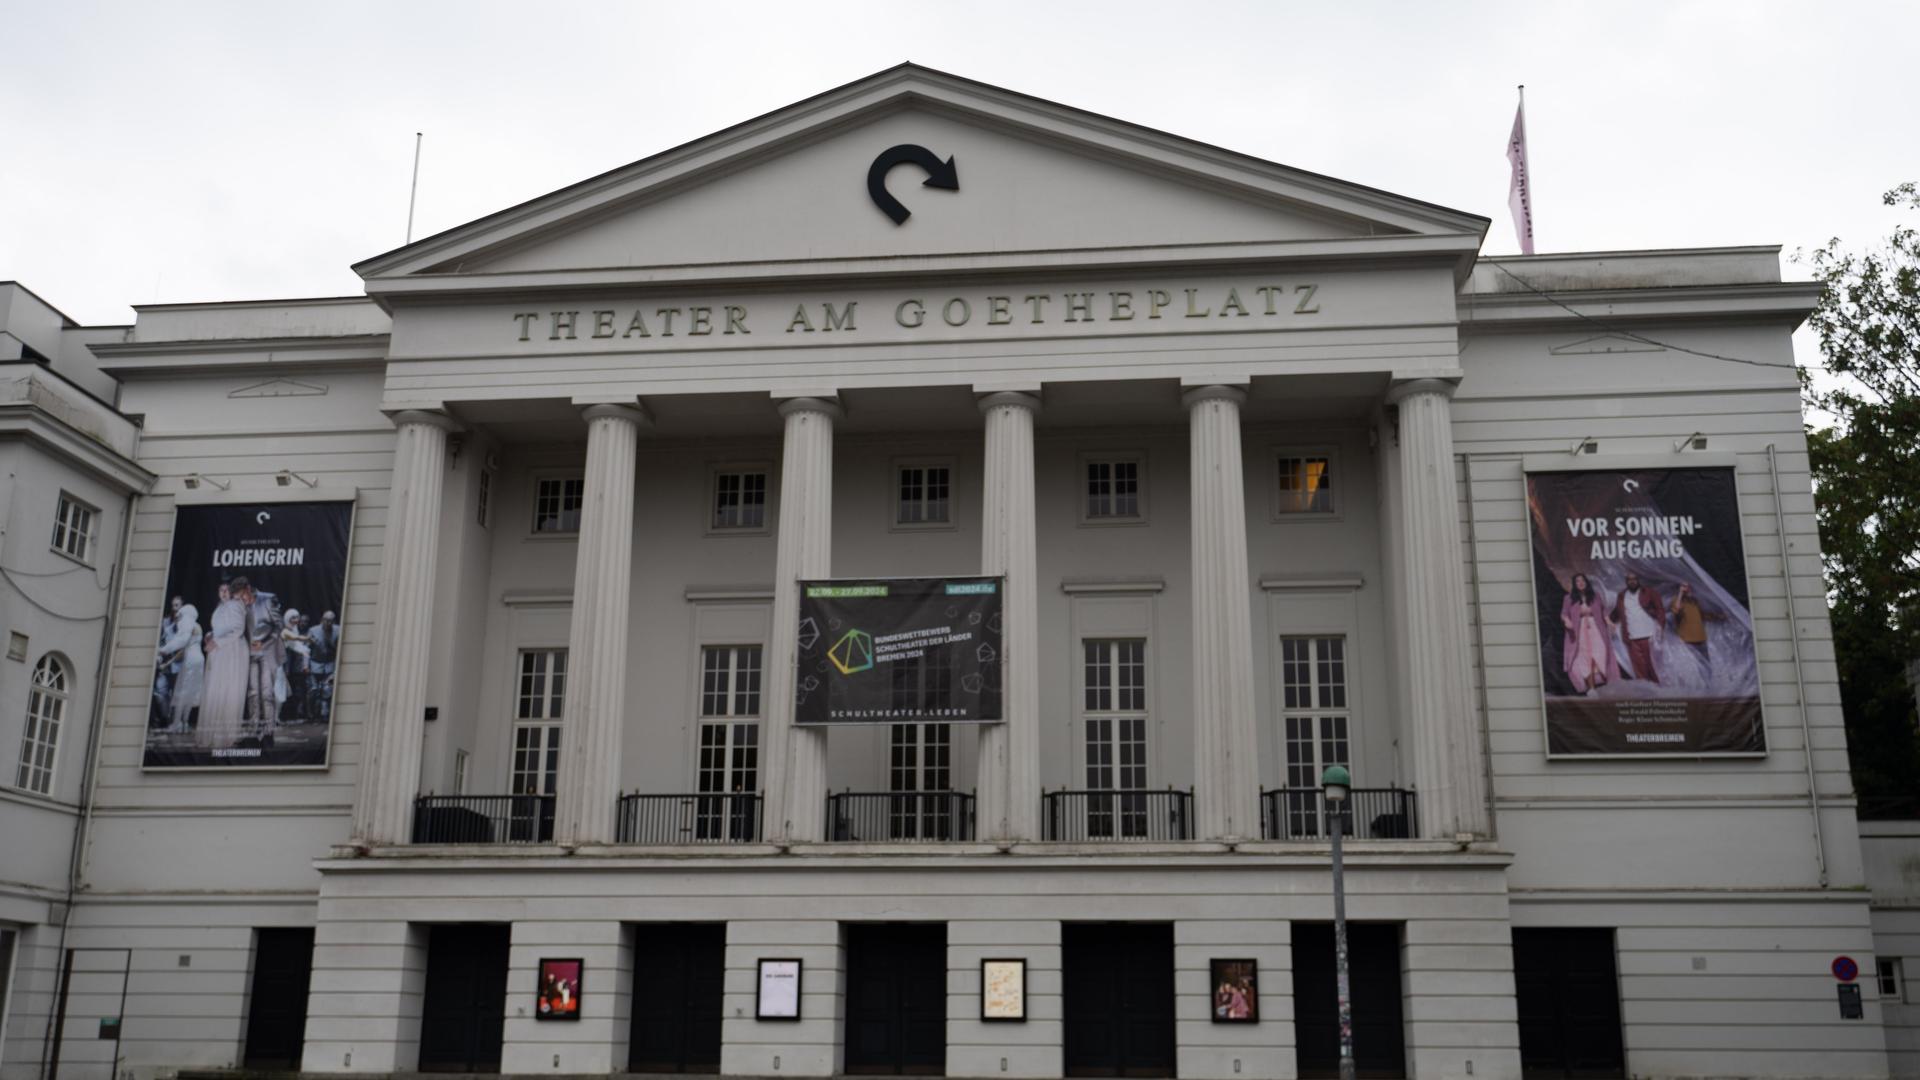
x=483, y=499
x=737, y=499
x=539, y=706
x=920, y=760
x=1314, y=718
x=729, y=757
x=460, y=759
x=46, y=712
x=556, y=504
x=1113, y=488
x=922, y=494
x=73, y=527
x=1303, y=482
x=1114, y=719
x=1892, y=979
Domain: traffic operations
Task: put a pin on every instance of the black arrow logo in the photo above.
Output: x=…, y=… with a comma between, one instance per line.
x=940, y=174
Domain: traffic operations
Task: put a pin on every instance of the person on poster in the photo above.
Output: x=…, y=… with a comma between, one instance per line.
x=224, y=683
x=190, y=668
x=167, y=662
x=293, y=642
x=1642, y=620
x=1690, y=624
x=264, y=655
x=1586, y=656
x=323, y=647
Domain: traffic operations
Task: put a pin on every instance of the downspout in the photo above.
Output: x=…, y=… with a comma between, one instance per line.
x=1799, y=677
x=76, y=858
x=1480, y=645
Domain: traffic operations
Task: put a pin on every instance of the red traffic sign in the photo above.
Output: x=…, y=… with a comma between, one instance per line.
x=1845, y=969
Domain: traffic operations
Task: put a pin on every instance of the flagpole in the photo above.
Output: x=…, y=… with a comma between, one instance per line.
x=413, y=190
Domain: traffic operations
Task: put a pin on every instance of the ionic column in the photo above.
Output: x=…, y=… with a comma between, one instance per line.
x=1446, y=741
x=402, y=628
x=1009, y=775
x=797, y=758
x=597, y=660
x=1226, y=748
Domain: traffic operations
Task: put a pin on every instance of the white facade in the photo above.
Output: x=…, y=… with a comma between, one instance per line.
x=1093, y=294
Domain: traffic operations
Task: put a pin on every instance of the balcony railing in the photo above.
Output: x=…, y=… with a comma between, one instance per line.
x=483, y=819
x=1117, y=815
x=1369, y=814
x=854, y=816
x=721, y=818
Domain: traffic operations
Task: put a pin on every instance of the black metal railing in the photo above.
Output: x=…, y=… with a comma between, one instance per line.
x=483, y=819
x=1117, y=815
x=1368, y=814
x=720, y=818
x=872, y=816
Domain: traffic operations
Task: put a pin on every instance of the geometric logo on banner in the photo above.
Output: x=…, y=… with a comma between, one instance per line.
x=853, y=652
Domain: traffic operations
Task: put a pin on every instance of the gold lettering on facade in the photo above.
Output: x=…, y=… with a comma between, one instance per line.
x=1120, y=306
x=966, y=312
x=1081, y=303
x=800, y=319
x=700, y=321
x=737, y=319
x=997, y=313
x=1306, y=297
x=1192, y=314
x=562, y=320
x=845, y=320
x=1233, y=304
x=666, y=319
x=523, y=318
x=1157, y=300
x=1268, y=291
x=603, y=324
x=1039, y=302
x=637, y=326
x=919, y=314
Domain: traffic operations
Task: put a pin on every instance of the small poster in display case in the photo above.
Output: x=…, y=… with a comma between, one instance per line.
x=557, y=997
x=778, y=993
x=1003, y=990
x=1236, y=991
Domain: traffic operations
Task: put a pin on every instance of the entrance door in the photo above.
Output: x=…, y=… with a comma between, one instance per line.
x=465, y=1010
x=1569, y=1003
x=277, y=1007
x=897, y=998
x=1373, y=974
x=679, y=970
x=1119, y=998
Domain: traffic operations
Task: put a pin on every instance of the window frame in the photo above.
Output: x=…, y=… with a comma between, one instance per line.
x=711, y=495
x=548, y=717
x=1890, y=970
x=894, y=503
x=1278, y=452
x=1315, y=719
x=61, y=525
x=1088, y=520
x=1127, y=819
x=534, y=480
x=27, y=763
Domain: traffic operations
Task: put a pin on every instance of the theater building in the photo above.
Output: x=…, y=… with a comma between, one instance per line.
x=488, y=742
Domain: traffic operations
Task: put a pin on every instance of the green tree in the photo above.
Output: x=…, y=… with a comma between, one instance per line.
x=1866, y=469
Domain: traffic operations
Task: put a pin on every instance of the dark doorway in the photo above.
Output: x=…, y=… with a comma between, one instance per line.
x=465, y=1009
x=1119, y=998
x=1569, y=1003
x=679, y=971
x=1373, y=976
x=897, y=998
x=277, y=1007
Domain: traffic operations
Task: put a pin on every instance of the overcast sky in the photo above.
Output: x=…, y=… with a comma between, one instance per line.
x=187, y=152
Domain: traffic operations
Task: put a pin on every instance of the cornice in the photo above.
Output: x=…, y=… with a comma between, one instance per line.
x=34, y=425
x=1773, y=302
x=345, y=351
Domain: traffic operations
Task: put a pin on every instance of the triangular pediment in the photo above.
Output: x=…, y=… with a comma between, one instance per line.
x=1032, y=177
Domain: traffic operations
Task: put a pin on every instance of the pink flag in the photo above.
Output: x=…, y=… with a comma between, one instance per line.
x=1519, y=194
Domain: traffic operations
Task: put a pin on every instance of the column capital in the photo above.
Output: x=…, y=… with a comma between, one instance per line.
x=1020, y=398
x=1406, y=388
x=636, y=414
x=426, y=418
x=827, y=404
x=1213, y=392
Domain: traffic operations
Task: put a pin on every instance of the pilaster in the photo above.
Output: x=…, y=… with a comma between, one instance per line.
x=1447, y=762
x=1226, y=746
x=1009, y=772
x=402, y=629
x=797, y=758
x=589, y=781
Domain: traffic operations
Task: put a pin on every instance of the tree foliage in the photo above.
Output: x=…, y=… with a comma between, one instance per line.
x=1866, y=468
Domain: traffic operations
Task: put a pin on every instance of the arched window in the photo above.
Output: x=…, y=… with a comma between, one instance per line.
x=46, y=710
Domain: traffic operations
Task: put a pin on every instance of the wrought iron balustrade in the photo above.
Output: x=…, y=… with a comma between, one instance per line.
x=715, y=818
x=873, y=816
x=1117, y=815
x=483, y=819
x=1368, y=814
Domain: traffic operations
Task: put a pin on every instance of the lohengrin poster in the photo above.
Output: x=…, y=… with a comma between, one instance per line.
x=1646, y=633
x=899, y=650
x=248, y=644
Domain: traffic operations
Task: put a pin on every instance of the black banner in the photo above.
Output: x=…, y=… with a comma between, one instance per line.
x=899, y=650
x=249, y=636
x=1646, y=634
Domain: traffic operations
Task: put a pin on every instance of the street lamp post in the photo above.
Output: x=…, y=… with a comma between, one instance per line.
x=1335, y=782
